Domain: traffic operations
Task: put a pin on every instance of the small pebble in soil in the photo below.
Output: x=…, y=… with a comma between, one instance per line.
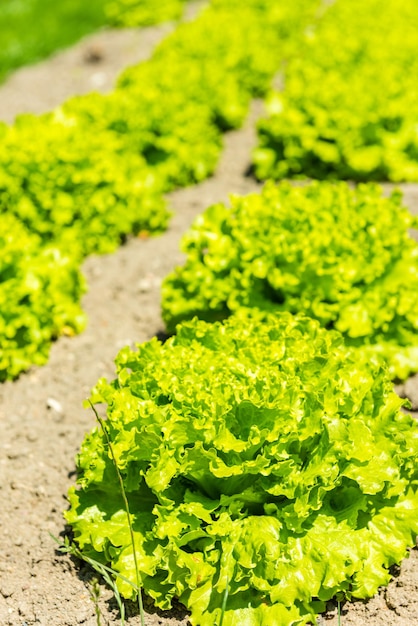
x=98, y=79
x=53, y=404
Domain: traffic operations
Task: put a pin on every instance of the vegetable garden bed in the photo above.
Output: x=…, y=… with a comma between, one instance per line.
x=43, y=424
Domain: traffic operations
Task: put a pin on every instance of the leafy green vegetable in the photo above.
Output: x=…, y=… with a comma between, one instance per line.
x=259, y=455
x=341, y=256
x=241, y=37
x=40, y=290
x=173, y=136
x=71, y=191
x=349, y=105
x=73, y=201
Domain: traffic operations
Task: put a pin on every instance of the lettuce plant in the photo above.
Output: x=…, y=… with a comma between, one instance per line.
x=174, y=137
x=62, y=185
x=339, y=255
x=259, y=456
x=349, y=105
x=40, y=290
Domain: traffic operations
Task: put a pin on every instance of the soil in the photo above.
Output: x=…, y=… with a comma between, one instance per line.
x=42, y=417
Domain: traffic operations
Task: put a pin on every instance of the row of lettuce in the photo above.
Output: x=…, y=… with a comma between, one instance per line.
x=77, y=180
x=60, y=24
x=266, y=459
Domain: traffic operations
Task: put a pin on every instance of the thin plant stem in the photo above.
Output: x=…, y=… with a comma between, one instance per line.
x=94, y=591
x=339, y=612
x=224, y=601
x=72, y=549
x=128, y=513
x=101, y=569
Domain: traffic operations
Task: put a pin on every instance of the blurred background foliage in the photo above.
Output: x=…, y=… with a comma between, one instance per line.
x=31, y=30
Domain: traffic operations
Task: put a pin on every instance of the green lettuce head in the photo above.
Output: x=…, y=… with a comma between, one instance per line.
x=339, y=255
x=259, y=457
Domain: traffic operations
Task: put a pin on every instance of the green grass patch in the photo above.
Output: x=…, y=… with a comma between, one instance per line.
x=30, y=30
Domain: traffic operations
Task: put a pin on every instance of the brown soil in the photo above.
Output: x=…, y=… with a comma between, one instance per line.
x=43, y=422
